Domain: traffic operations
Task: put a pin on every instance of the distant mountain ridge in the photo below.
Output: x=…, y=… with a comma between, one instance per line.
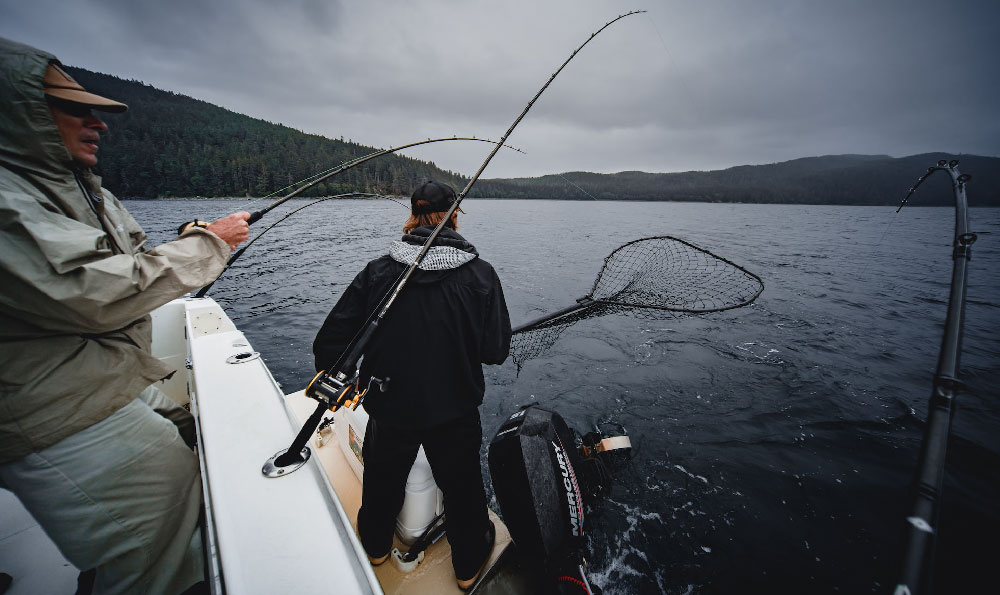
x=169, y=144
x=832, y=179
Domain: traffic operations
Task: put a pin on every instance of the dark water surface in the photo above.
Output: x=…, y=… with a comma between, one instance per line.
x=773, y=444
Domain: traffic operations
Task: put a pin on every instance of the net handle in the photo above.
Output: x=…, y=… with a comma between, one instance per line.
x=582, y=304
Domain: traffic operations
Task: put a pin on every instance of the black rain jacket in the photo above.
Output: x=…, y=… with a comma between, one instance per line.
x=449, y=319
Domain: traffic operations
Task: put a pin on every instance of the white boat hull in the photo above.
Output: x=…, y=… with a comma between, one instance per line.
x=283, y=535
x=289, y=534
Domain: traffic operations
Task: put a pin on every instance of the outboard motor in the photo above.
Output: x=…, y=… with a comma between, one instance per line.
x=542, y=479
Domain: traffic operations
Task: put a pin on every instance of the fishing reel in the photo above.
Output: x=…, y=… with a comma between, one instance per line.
x=329, y=392
x=335, y=391
x=332, y=393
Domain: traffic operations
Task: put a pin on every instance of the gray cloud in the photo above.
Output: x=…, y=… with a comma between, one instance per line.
x=690, y=85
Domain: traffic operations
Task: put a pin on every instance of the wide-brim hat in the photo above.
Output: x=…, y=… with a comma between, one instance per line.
x=60, y=85
x=436, y=197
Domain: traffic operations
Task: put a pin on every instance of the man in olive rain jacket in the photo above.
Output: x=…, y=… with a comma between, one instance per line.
x=110, y=480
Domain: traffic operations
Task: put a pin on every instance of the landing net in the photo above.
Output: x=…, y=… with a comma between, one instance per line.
x=650, y=278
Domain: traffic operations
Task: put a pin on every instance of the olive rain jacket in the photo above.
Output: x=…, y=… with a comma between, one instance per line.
x=449, y=320
x=76, y=282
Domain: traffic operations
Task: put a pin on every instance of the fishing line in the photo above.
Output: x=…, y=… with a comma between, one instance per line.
x=680, y=84
x=577, y=187
x=663, y=42
x=940, y=165
x=875, y=250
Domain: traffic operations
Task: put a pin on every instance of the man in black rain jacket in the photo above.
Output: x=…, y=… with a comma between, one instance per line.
x=449, y=320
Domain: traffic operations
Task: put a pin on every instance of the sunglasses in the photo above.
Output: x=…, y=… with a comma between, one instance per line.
x=77, y=110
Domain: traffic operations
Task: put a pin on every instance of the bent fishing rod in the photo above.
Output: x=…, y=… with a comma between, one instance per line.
x=332, y=388
x=257, y=215
x=238, y=253
x=921, y=524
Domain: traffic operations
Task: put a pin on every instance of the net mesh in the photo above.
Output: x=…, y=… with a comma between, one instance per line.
x=529, y=343
x=657, y=277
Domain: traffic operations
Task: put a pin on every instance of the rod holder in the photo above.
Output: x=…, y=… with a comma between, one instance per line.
x=283, y=462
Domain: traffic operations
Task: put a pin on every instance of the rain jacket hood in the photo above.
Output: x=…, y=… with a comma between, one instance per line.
x=29, y=139
x=77, y=283
x=449, y=250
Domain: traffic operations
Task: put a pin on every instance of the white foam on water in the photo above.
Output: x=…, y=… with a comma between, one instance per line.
x=691, y=475
x=617, y=566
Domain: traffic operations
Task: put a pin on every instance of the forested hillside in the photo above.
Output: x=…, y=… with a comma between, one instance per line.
x=833, y=179
x=172, y=145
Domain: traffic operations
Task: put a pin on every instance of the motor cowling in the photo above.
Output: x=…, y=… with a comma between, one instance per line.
x=542, y=479
x=533, y=463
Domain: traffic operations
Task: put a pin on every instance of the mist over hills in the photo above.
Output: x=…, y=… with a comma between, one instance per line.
x=169, y=144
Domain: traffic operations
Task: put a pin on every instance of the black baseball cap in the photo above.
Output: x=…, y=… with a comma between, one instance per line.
x=437, y=196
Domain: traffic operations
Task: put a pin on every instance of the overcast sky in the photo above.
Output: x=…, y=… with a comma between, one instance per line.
x=691, y=85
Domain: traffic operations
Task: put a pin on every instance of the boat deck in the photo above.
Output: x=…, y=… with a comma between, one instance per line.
x=28, y=555
x=435, y=573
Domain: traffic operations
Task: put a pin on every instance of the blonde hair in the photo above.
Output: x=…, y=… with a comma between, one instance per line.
x=429, y=219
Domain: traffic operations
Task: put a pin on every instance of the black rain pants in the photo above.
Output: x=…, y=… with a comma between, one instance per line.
x=452, y=450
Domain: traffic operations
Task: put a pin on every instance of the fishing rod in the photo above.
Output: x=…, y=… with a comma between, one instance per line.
x=332, y=389
x=921, y=524
x=257, y=215
x=235, y=256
